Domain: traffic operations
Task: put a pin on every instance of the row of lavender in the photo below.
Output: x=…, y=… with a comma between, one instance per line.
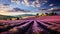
x=30, y=27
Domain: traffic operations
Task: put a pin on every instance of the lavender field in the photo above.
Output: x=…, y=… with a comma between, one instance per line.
x=36, y=25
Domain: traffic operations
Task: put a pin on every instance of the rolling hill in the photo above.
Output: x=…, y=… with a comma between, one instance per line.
x=4, y=17
x=24, y=15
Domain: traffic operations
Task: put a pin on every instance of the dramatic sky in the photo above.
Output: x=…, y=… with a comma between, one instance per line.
x=18, y=7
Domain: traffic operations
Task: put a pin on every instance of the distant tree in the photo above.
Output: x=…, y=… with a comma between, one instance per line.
x=43, y=14
x=37, y=14
x=55, y=13
x=10, y=19
x=46, y=13
x=17, y=18
x=52, y=14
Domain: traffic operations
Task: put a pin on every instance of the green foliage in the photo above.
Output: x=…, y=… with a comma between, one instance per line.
x=51, y=14
x=37, y=14
x=3, y=17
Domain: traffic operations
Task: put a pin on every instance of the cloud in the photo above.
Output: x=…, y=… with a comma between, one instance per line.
x=16, y=13
x=33, y=4
x=16, y=1
x=4, y=6
x=51, y=4
x=18, y=10
x=15, y=10
x=51, y=9
x=44, y=0
x=13, y=0
x=26, y=2
x=22, y=2
x=54, y=9
x=38, y=5
x=37, y=1
x=11, y=13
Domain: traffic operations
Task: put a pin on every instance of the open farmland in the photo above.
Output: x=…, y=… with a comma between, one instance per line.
x=33, y=25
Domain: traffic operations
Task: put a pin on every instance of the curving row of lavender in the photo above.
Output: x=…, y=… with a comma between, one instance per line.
x=36, y=26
